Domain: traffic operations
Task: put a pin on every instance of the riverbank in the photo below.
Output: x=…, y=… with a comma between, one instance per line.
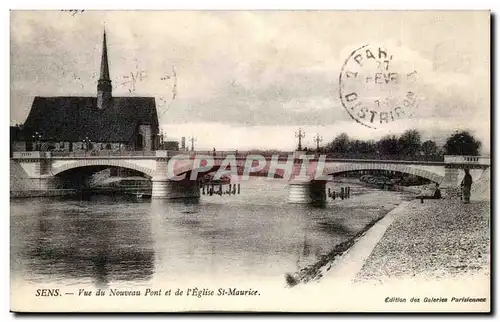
x=42, y=193
x=425, y=189
x=439, y=239
x=379, y=203
x=316, y=271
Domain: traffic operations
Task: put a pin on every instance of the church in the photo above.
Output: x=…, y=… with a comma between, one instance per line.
x=103, y=122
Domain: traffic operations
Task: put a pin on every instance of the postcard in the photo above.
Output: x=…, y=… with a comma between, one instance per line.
x=250, y=161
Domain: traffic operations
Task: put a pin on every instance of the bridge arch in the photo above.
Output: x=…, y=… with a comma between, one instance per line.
x=100, y=163
x=351, y=167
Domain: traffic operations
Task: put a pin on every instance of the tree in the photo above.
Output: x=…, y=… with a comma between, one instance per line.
x=355, y=146
x=410, y=143
x=369, y=147
x=362, y=147
x=388, y=145
x=462, y=143
x=340, y=144
x=429, y=149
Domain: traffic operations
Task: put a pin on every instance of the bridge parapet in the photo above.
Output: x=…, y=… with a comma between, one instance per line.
x=448, y=159
x=101, y=154
x=221, y=154
x=467, y=159
x=81, y=154
x=31, y=155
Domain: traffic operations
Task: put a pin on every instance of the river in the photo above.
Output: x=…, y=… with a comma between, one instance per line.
x=109, y=240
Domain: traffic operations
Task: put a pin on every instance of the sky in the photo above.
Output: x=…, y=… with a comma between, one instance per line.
x=251, y=79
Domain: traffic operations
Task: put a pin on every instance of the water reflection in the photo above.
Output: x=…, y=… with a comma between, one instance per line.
x=109, y=239
x=74, y=242
x=243, y=238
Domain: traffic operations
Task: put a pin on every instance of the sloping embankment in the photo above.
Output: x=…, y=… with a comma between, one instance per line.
x=481, y=189
x=19, y=180
x=315, y=271
x=21, y=186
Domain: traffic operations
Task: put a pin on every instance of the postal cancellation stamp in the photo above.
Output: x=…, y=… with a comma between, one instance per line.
x=374, y=89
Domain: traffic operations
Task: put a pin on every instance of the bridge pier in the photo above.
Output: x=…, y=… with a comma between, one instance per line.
x=298, y=192
x=164, y=188
x=307, y=192
x=450, y=183
x=168, y=189
x=46, y=183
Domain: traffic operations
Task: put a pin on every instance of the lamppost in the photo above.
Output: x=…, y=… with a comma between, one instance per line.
x=193, y=139
x=301, y=134
x=161, y=138
x=37, y=137
x=318, y=139
x=87, y=143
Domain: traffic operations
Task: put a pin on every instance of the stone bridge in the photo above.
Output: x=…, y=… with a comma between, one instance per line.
x=176, y=174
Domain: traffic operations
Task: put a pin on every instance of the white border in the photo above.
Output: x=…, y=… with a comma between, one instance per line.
x=494, y=5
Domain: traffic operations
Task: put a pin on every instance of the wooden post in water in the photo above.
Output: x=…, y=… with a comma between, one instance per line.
x=238, y=188
x=203, y=188
x=329, y=192
x=342, y=193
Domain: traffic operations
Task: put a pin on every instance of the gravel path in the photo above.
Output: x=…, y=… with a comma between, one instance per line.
x=437, y=239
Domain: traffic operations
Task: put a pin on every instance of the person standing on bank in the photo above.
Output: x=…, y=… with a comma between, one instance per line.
x=466, y=184
x=437, y=192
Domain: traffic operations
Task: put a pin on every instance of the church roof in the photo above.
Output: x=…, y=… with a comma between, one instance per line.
x=75, y=118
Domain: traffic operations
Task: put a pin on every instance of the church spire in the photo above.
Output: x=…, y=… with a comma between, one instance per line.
x=104, y=82
x=104, y=60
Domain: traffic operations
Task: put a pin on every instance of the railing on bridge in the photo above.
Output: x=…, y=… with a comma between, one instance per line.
x=286, y=154
x=221, y=154
x=379, y=156
x=103, y=153
x=482, y=160
x=267, y=154
x=460, y=159
x=81, y=154
x=30, y=155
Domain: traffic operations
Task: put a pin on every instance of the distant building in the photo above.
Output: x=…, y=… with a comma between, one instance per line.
x=69, y=123
x=171, y=145
x=183, y=143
